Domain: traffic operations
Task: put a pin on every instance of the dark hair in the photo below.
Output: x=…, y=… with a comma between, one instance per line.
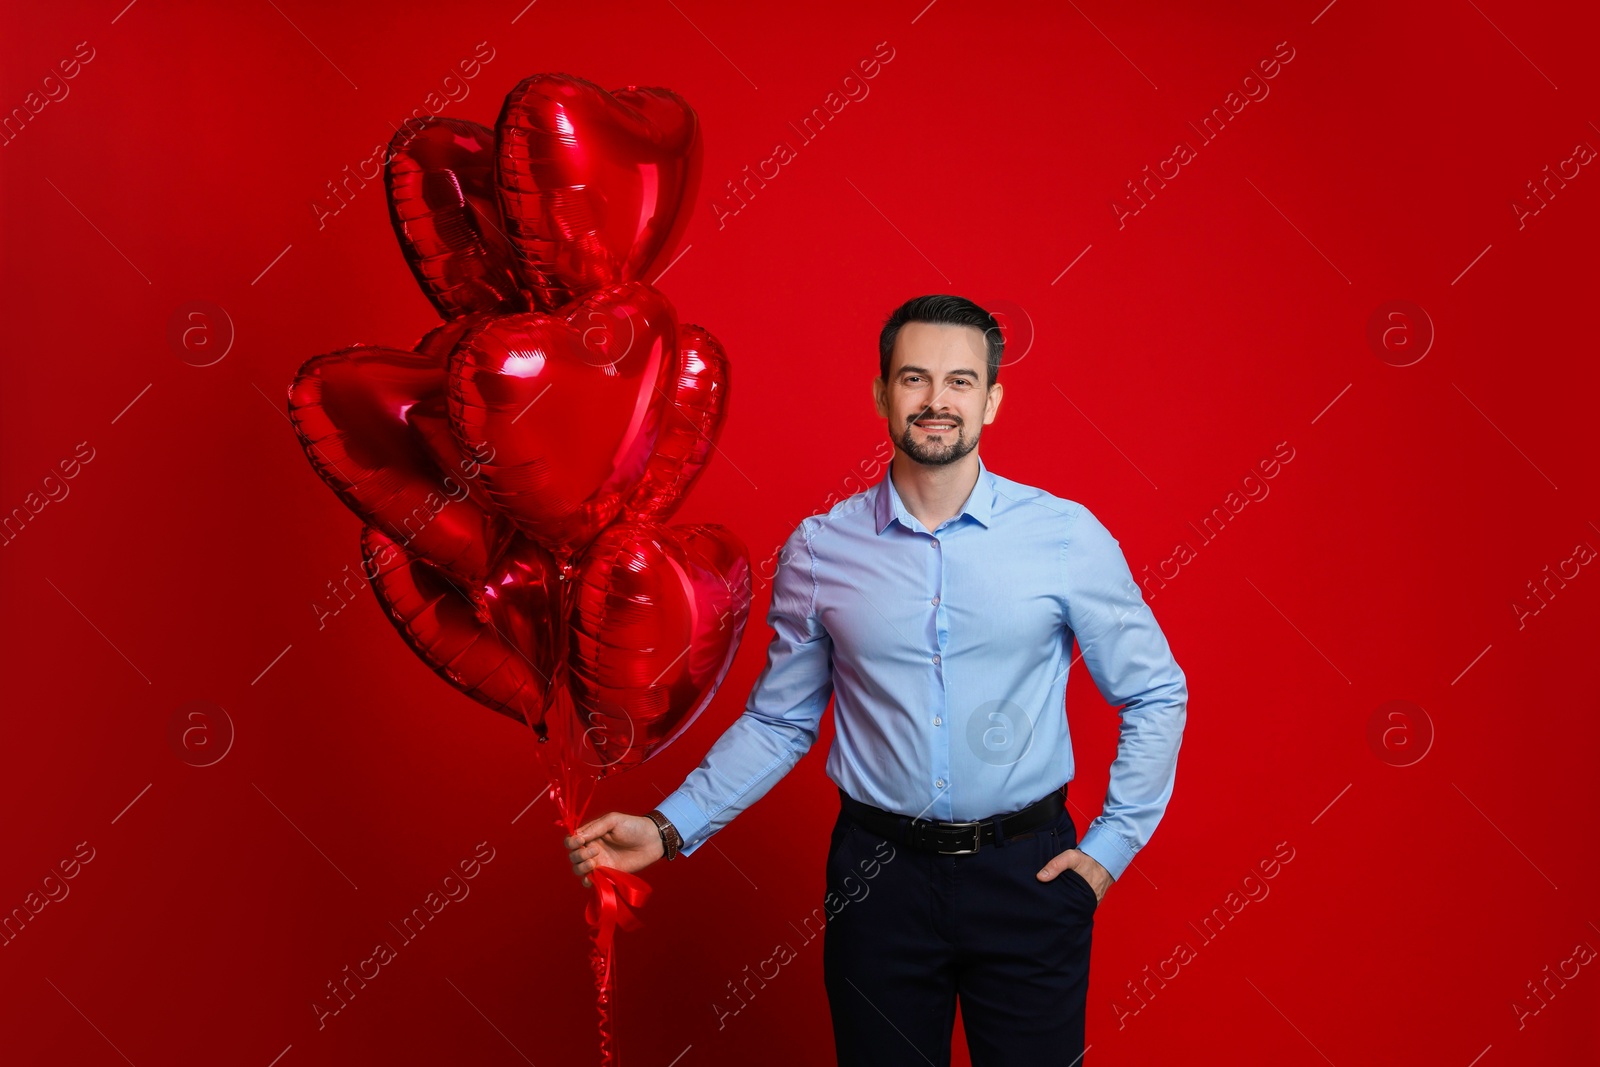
x=943, y=310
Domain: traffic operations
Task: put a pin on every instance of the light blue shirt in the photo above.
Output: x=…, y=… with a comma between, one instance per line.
x=946, y=654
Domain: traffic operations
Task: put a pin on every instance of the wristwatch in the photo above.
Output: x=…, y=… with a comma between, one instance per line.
x=670, y=841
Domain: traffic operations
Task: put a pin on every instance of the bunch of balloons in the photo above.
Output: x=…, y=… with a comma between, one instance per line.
x=516, y=469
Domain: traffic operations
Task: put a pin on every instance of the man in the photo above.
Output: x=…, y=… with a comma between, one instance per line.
x=939, y=609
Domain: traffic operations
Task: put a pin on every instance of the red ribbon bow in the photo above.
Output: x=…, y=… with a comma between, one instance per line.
x=617, y=894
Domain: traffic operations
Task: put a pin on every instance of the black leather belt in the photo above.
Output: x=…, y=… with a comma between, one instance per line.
x=953, y=838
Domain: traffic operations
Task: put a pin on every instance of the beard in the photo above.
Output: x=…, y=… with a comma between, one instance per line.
x=937, y=452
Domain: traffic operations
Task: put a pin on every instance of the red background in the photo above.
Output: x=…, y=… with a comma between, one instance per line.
x=1227, y=316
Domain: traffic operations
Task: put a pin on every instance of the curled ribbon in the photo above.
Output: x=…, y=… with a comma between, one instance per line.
x=617, y=894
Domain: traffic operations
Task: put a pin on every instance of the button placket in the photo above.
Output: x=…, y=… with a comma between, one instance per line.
x=940, y=747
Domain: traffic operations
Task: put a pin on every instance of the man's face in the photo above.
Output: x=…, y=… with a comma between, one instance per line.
x=935, y=401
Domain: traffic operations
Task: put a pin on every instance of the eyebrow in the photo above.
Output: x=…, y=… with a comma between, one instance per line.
x=964, y=372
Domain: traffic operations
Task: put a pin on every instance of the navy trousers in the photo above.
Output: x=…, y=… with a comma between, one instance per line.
x=910, y=932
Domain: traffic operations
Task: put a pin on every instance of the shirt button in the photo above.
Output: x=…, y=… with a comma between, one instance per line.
x=935, y=659
x=939, y=782
x=938, y=720
x=935, y=601
x=934, y=542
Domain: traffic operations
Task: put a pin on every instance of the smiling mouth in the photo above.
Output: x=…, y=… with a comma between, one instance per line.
x=936, y=426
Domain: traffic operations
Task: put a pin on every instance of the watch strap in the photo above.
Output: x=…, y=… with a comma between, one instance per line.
x=671, y=842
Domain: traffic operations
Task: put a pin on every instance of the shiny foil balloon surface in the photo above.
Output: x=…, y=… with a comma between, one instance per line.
x=353, y=411
x=655, y=620
x=698, y=390
x=430, y=417
x=514, y=472
x=440, y=179
x=570, y=404
x=503, y=648
x=594, y=186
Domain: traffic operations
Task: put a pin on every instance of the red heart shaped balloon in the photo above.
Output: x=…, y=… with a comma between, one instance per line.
x=440, y=179
x=357, y=413
x=564, y=463
x=655, y=619
x=698, y=388
x=593, y=185
x=430, y=417
x=505, y=650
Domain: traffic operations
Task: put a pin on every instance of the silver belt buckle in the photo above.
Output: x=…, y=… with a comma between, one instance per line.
x=977, y=839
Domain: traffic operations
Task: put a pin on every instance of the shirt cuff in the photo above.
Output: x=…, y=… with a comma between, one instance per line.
x=685, y=817
x=1103, y=846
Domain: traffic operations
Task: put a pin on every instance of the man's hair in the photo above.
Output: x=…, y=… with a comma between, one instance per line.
x=947, y=311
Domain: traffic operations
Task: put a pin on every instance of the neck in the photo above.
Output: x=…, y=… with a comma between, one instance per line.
x=934, y=493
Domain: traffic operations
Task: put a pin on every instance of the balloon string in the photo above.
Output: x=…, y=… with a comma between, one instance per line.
x=600, y=963
x=617, y=895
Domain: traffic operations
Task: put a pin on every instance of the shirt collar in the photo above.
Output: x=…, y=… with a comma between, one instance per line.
x=888, y=505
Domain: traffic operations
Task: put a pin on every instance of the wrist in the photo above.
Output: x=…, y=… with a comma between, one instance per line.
x=671, y=842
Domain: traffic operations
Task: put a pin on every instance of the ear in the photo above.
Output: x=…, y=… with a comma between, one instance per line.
x=880, y=397
x=991, y=405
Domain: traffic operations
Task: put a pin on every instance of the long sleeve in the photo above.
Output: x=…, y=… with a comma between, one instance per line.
x=1128, y=657
x=781, y=718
